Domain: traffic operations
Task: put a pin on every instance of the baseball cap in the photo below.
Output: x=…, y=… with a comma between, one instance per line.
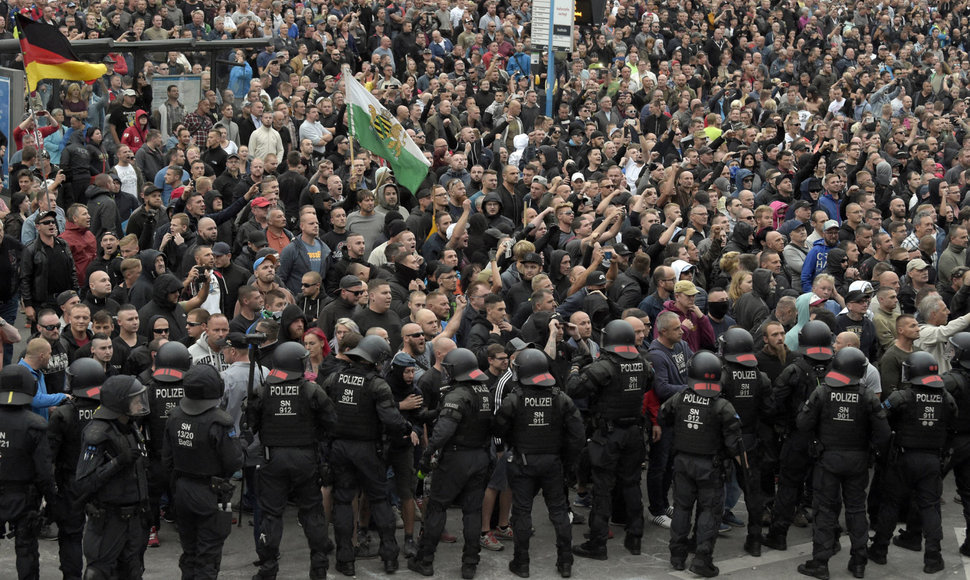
x=44, y=215
x=857, y=296
x=350, y=281
x=802, y=203
x=685, y=287
x=129, y=93
x=815, y=300
x=578, y=177
x=829, y=224
x=270, y=257
x=221, y=249
x=532, y=258
x=64, y=296
x=917, y=264
x=258, y=238
x=596, y=278
x=260, y=202
x=540, y=179
x=234, y=339
x=621, y=249
x=233, y=156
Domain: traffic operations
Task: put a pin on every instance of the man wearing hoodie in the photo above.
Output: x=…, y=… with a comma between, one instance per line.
x=165, y=294
x=208, y=349
x=152, y=266
x=752, y=307
x=698, y=332
x=741, y=239
x=817, y=257
x=136, y=135
x=80, y=239
x=101, y=205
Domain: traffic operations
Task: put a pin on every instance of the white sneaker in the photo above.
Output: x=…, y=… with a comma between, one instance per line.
x=670, y=511
x=663, y=520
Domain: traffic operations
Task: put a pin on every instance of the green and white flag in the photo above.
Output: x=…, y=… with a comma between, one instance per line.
x=380, y=133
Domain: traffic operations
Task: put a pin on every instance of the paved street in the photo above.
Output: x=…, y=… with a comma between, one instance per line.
x=161, y=563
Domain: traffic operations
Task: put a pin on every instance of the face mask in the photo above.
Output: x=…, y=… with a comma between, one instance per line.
x=717, y=309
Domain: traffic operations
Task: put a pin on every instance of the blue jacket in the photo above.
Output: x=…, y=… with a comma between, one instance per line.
x=519, y=64
x=814, y=263
x=666, y=365
x=294, y=263
x=42, y=400
x=239, y=77
x=829, y=206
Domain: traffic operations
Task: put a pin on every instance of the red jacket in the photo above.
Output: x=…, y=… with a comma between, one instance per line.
x=83, y=248
x=698, y=332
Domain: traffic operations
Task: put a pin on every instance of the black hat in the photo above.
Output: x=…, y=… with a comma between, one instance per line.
x=595, y=278
x=45, y=215
x=64, y=296
x=532, y=258
x=221, y=249
x=621, y=249
x=233, y=156
x=203, y=389
x=350, y=281
x=258, y=238
x=17, y=385
x=234, y=340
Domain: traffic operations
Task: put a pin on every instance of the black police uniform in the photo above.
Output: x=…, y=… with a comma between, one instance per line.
x=847, y=421
x=164, y=393
x=749, y=391
x=365, y=410
x=291, y=416
x=463, y=435
x=956, y=381
x=201, y=451
x=112, y=474
x=67, y=423
x=545, y=433
x=25, y=461
x=616, y=386
x=707, y=432
x=920, y=417
x=791, y=389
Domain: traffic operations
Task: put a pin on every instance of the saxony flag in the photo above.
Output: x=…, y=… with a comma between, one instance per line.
x=48, y=55
x=380, y=133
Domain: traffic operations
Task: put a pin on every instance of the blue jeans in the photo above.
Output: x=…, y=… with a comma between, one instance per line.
x=8, y=310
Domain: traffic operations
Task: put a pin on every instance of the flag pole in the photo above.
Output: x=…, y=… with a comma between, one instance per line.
x=350, y=122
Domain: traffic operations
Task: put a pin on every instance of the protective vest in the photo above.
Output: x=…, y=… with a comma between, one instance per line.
x=163, y=398
x=742, y=386
x=538, y=421
x=844, y=421
x=76, y=414
x=356, y=408
x=475, y=428
x=697, y=428
x=193, y=451
x=130, y=485
x=957, y=384
x=16, y=448
x=923, y=423
x=287, y=420
x=621, y=385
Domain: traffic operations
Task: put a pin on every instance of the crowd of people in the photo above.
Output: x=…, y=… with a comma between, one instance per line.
x=736, y=251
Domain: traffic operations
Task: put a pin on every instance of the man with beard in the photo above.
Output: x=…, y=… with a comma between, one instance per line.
x=414, y=344
x=353, y=253
x=108, y=258
x=343, y=306
x=147, y=217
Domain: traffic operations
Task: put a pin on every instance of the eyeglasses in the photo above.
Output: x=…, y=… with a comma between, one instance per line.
x=415, y=335
x=356, y=292
x=50, y=326
x=46, y=223
x=160, y=331
x=191, y=324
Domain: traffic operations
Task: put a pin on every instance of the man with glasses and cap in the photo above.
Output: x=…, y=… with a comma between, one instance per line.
x=344, y=305
x=201, y=451
x=47, y=268
x=817, y=257
x=25, y=466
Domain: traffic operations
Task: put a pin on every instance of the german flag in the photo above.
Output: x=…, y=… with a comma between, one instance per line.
x=48, y=55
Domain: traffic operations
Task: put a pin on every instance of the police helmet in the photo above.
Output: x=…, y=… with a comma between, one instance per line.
x=122, y=395
x=372, y=349
x=848, y=368
x=461, y=364
x=921, y=369
x=737, y=346
x=203, y=389
x=289, y=363
x=620, y=338
x=86, y=375
x=17, y=386
x=961, y=349
x=172, y=361
x=704, y=374
x=815, y=341
x=532, y=368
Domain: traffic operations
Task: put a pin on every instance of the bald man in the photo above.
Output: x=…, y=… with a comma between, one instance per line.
x=414, y=343
x=35, y=359
x=871, y=381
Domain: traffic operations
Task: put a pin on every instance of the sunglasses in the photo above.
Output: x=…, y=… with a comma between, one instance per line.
x=415, y=335
x=46, y=223
x=356, y=292
x=305, y=285
x=189, y=324
x=160, y=331
x=50, y=326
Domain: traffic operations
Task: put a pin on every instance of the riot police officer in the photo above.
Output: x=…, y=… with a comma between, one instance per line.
x=543, y=428
x=25, y=473
x=790, y=391
x=172, y=361
x=749, y=391
x=112, y=476
x=957, y=382
x=616, y=383
x=291, y=416
x=920, y=414
x=365, y=409
x=707, y=432
x=846, y=421
x=85, y=377
x=462, y=434
x=201, y=451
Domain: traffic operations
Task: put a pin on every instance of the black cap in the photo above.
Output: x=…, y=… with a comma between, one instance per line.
x=233, y=156
x=857, y=296
x=258, y=238
x=221, y=249
x=234, y=339
x=45, y=215
x=532, y=258
x=350, y=281
x=203, y=389
x=64, y=296
x=621, y=249
x=595, y=278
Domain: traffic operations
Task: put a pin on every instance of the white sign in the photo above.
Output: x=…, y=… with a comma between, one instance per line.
x=561, y=13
